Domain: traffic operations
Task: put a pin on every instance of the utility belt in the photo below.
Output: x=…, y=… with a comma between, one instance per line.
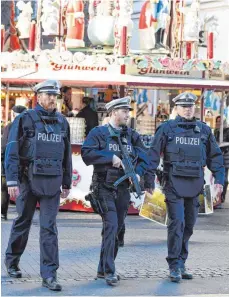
x=101, y=180
x=110, y=177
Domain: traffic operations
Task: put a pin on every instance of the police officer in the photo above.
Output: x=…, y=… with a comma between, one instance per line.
x=187, y=146
x=102, y=151
x=37, y=163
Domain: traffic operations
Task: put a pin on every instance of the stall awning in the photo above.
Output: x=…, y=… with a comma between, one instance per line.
x=96, y=78
x=67, y=77
x=164, y=82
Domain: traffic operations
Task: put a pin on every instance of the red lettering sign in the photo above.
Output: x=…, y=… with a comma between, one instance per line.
x=58, y=67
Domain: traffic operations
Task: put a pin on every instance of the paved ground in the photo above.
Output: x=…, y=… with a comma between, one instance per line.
x=141, y=263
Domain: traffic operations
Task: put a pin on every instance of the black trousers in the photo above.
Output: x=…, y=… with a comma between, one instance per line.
x=182, y=215
x=113, y=220
x=5, y=197
x=26, y=205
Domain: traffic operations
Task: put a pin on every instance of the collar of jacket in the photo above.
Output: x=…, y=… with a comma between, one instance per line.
x=181, y=119
x=43, y=111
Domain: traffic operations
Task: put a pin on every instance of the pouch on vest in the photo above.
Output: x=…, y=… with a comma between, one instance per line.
x=43, y=181
x=113, y=174
x=188, y=169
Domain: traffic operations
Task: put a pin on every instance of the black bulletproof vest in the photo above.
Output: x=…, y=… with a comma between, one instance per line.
x=45, y=153
x=110, y=144
x=184, y=158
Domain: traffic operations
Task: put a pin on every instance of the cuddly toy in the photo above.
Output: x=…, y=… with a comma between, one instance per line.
x=24, y=18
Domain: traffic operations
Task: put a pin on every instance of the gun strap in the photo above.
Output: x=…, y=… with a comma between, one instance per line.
x=121, y=179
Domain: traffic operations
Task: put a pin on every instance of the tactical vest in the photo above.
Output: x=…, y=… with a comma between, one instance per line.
x=43, y=149
x=110, y=144
x=185, y=157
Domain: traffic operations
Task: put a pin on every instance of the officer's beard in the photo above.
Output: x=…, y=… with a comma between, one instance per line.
x=50, y=107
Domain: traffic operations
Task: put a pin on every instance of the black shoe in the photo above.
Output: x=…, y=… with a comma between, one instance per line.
x=100, y=275
x=121, y=243
x=185, y=274
x=111, y=279
x=14, y=271
x=4, y=217
x=51, y=284
x=175, y=275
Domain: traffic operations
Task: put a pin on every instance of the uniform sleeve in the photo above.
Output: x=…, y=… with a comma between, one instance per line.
x=154, y=154
x=142, y=162
x=215, y=160
x=12, y=161
x=67, y=162
x=92, y=152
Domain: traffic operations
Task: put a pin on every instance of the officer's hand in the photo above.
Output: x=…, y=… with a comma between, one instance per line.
x=13, y=192
x=116, y=161
x=65, y=193
x=149, y=190
x=219, y=188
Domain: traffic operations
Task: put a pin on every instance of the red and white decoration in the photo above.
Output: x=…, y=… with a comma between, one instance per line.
x=75, y=24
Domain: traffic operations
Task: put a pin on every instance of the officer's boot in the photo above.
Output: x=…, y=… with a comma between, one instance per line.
x=13, y=271
x=51, y=283
x=185, y=274
x=175, y=275
x=102, y=275
x=111, y=279
x=4, y=216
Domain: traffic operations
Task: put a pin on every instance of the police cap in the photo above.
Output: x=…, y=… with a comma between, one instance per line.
x=49, y=87
x=185, y=99
x=119, y=103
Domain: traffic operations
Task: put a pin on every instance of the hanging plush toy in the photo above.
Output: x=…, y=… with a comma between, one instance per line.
x=207, y=99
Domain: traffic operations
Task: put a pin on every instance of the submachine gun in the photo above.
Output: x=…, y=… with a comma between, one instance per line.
x=127, y=163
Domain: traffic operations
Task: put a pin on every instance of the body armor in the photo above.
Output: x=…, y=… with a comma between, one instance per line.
x=185, y=158
x=43, y=152
x=110, y=144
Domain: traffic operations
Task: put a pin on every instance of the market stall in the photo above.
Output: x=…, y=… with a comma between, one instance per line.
x=156, y=91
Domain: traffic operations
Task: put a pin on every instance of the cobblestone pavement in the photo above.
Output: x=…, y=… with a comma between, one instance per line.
x=143, y=256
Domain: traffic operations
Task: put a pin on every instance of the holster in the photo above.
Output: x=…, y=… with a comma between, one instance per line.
x=98, y=203
x=95, y=204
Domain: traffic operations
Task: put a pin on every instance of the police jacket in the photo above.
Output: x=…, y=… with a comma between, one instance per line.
x=40, y=138
x=90, y=116
x=99, y=148
x=186, y=147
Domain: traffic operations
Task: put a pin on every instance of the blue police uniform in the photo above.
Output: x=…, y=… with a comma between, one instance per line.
x=187, y=147
x=98, y=150
x=38, y=161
